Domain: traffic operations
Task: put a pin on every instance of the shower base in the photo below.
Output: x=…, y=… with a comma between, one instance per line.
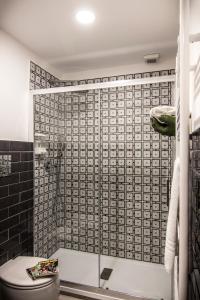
x=79, y=275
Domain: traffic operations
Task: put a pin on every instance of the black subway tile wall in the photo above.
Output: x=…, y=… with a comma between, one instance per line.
x=16, y=201
x=194, y=217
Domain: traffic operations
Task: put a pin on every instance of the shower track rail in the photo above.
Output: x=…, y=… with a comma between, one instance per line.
x=104, y=85
x=88, y=292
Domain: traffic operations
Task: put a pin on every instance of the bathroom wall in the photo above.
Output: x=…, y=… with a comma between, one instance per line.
x=164, y=63
x=135, y=168
x=14, y=88
x=195, y=61
x=16, y=201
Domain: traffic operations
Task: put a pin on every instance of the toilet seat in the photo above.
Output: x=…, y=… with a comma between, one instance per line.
x=14, y=274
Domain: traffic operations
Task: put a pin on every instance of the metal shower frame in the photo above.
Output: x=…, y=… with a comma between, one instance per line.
x=65, y=286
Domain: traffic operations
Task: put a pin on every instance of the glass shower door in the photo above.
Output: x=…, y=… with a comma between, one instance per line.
x=82, y=187
x=135, y=168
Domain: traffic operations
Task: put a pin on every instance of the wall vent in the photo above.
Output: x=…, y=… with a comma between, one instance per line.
x=151, y=58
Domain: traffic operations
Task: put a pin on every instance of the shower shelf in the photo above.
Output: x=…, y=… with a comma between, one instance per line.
x=40, y=144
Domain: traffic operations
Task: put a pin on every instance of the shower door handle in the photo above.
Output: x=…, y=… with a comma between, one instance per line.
x=168, y=192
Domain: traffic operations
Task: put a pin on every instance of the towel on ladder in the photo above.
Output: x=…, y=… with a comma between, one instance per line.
x=170, y=244
x=163, y=120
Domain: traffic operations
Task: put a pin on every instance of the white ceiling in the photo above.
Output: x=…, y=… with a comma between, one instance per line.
x=124, y=30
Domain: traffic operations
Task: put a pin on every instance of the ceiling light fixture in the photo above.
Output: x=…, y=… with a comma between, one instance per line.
x=85, y=17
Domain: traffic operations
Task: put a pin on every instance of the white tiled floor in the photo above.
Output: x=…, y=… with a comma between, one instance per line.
x=132, y=277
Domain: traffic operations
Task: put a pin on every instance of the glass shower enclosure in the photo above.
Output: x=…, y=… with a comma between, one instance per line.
x=102, y=185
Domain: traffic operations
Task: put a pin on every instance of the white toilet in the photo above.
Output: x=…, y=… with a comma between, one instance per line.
x=16, y=284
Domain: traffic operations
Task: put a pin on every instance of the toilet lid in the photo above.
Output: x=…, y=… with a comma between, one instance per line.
x=14, y=272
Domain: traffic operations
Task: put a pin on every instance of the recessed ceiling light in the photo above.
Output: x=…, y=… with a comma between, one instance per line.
x=85, y=17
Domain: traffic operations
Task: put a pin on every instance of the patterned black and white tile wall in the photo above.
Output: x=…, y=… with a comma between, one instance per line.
x=48, y=170
x=16, y=200
x=39, y=78
x=49, y=174
x=135, y=171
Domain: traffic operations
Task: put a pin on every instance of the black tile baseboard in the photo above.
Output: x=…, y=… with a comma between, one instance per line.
x=16, y=201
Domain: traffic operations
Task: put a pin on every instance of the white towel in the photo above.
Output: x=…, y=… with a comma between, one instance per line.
x=158, y=111
x=170, y=244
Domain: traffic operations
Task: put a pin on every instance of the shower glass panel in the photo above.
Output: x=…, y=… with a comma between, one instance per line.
x=67, y=210
x=102, y=187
